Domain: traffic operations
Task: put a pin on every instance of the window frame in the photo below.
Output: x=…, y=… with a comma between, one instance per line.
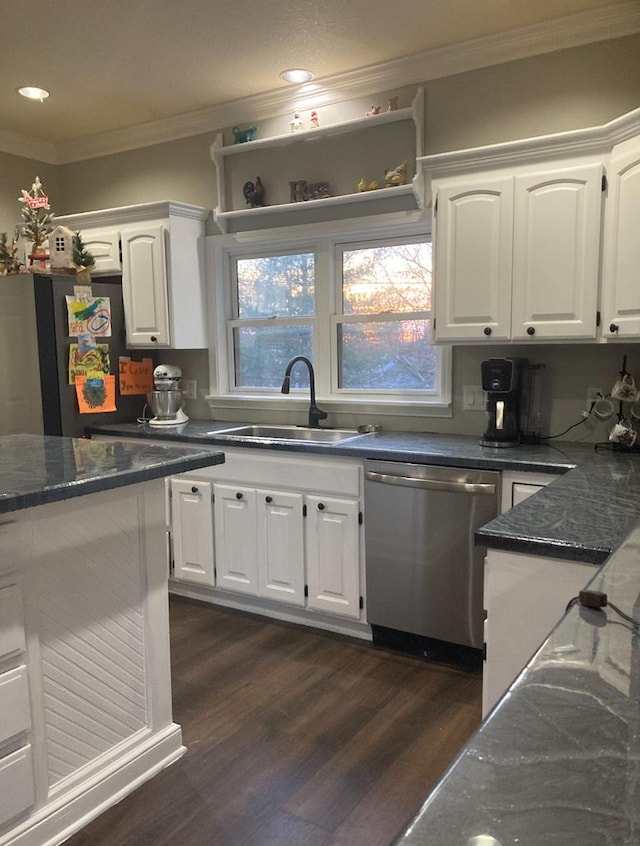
x=323, y=240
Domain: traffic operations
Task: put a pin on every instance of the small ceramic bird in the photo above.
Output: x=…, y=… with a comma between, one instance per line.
x=362, y=185
x=254, y=193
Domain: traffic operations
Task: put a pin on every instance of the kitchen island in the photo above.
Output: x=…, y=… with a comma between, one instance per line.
x=85, y=691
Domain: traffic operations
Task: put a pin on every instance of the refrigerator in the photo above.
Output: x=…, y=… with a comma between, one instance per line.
x=35, y=394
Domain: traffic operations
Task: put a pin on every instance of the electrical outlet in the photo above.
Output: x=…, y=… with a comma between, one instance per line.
x=593, y=394
x=189, y=389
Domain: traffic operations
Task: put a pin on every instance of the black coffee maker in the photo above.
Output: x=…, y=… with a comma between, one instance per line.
x=502, y=379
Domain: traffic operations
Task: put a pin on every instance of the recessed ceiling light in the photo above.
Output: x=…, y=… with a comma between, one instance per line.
x=296, y=75
x=32, y=92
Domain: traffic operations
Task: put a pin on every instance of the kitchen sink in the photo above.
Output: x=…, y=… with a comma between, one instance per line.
x=303, y=434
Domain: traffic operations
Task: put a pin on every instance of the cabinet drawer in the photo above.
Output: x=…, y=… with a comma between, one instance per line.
x=16, y=783
x=14, y=703
x=11, y=619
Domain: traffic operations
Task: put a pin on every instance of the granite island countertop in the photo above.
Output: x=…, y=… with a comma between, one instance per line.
x=558, y=759
x=38, y=469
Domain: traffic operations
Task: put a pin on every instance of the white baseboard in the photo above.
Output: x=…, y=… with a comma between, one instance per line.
x=56, y=821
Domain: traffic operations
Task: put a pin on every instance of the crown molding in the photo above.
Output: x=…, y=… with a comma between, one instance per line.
x=592, y=140
x=536, y=39
x=28, y=147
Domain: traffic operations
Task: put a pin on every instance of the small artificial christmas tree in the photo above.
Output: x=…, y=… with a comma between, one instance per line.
x=81, y=258
x=36, y=215
x=9, y=261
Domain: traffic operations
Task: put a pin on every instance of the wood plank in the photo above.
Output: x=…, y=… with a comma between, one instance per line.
x=294, y=736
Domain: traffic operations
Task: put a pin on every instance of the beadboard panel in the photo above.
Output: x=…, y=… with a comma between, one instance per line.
x=91, y=630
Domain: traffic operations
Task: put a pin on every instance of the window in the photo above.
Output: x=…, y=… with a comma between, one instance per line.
x=384, y=322
x=274, y=306
x=359, y=308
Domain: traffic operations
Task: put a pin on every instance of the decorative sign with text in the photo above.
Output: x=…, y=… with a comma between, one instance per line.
x=136, y=377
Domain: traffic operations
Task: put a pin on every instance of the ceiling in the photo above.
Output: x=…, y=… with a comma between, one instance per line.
x=121, y=67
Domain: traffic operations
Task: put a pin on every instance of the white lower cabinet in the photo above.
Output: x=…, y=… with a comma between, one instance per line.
x=524, y=597
x=332, y=555
x=192, y=505
x=280, y=532
x=281, y=546
x=236, y=538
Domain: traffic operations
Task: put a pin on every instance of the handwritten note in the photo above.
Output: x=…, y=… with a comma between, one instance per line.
x=136, y=377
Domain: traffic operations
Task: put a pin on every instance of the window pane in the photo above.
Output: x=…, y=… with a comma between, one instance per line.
x=262, y=353
x=387, y=355
x=395, y=278
x=280, y=286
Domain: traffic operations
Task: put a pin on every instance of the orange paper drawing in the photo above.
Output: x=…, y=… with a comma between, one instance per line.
x=136, y=377
x=95, y=395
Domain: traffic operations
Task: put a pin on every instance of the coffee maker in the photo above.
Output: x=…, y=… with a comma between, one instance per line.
x=166, y=400
x=501, y=378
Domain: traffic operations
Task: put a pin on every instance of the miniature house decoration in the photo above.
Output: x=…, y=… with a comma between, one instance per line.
x=60, y=248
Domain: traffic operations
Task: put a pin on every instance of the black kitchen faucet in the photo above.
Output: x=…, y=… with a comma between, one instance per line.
x=315, y=414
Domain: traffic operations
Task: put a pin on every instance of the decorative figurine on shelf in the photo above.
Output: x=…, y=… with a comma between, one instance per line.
x=297, y=187
x=296, y=122
x=254, y=193
x=374, y=110
x=9, y=261
x=392, y=104
x=60, y=248
x=81, y=260
x=37, y=216
x=363, y=185
x=240, y=136
x=313, y=120
x=397, y=176
x=317, y=191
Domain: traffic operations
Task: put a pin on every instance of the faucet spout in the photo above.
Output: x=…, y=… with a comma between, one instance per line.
x=315, y=414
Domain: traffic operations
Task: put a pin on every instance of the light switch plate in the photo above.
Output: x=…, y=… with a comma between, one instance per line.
x=473, y=398
x=190, y=389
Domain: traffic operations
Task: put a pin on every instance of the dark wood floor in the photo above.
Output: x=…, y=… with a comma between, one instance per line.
x=295, y=737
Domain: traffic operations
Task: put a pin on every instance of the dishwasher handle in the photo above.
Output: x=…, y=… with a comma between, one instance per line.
x=431, y=484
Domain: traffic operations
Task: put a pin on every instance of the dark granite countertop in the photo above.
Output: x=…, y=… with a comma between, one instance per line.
x=558, y=759
x=421, y=448
x=40, y=469
x=582, y=516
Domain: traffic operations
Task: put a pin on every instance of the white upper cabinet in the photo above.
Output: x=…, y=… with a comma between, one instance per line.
x=556, y=252
x=158, y=248
x=473, y=247
x=537, y=239
x=517, y=254
x=621, y=266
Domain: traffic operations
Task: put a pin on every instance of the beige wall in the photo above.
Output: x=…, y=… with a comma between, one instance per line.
x=17, y=173
x=569, y=89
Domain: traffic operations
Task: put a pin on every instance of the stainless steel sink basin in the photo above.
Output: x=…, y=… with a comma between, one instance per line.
x=303, y=434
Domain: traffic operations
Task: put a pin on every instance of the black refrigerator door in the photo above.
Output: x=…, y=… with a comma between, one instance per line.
x=59, y=404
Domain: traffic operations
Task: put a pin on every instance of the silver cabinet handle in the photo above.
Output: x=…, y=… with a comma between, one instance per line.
x=430, y=484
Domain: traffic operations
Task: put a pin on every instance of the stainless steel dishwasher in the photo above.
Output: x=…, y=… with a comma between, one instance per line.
x=424, y=572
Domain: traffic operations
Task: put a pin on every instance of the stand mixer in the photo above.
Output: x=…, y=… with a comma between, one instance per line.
x=165, y=400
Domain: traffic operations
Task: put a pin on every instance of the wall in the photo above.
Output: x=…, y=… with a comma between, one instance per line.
x=569, y=89
x=17, y=173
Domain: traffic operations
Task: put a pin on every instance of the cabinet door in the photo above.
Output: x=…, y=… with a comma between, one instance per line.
x=515, y=584
x=333, y=555
x=192, y=531
x=556, y=253
x=236, y=538
x=144, y=285
x=621, y=270
x=280, y=546
x=472, y=259
x=104, y=246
